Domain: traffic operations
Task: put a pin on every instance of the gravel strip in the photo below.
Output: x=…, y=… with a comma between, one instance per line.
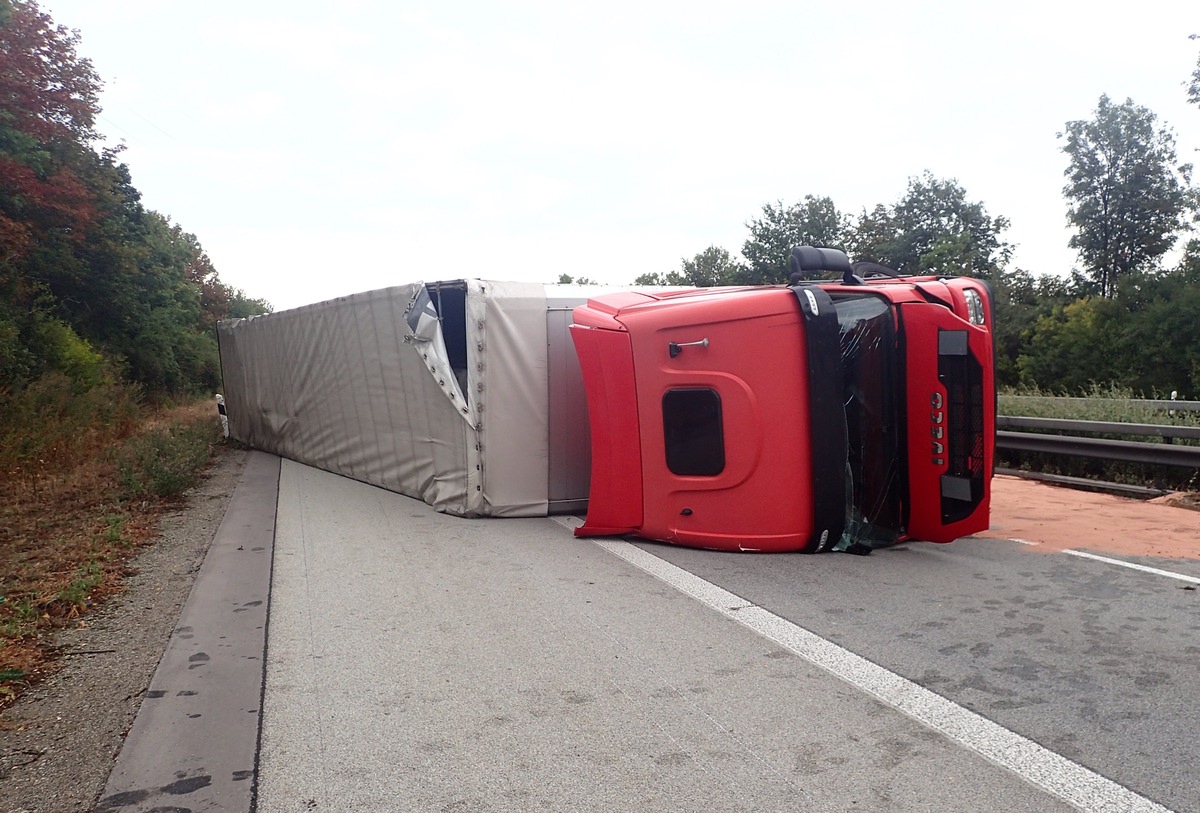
x=58, y=741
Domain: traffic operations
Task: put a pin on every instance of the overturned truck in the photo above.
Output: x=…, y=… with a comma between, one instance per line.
x=814, y=416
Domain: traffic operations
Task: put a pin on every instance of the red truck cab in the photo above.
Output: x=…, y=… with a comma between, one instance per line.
x=807, y=417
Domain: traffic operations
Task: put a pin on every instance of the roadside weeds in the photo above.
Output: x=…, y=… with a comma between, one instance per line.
x=74, y=510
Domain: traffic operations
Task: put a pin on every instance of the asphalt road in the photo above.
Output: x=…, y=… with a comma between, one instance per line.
x=423, y=662
x=419, y=662
x=1096, y=662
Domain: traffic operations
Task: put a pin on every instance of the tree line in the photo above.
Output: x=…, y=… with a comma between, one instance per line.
x=93, y=285
x=1125, y=317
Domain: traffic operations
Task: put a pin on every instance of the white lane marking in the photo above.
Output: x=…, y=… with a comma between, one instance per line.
x=568, y=522
x=1075, y=784
x=1170, y=574
x=1145, y=568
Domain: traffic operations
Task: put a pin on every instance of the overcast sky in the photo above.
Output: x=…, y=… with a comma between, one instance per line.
x=318, y=149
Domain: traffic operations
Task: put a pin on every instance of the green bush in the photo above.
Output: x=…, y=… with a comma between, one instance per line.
x=1098, y=403
x=65, y=352
x=165, y=462
x=15, y=359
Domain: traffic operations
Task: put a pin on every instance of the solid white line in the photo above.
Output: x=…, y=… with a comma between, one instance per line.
x=568, y=522
x=1134, y=566
x=1052, y=772
x=1170, y=574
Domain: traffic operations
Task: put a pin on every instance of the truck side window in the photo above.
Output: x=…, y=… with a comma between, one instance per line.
x=695, y=437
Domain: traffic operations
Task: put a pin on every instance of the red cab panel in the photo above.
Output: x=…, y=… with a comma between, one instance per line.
x=722, y=420
x=615, y=502
x=799, y=418
x=951, y=418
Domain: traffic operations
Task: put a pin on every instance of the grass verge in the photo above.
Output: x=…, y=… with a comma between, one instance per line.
x=75, y=505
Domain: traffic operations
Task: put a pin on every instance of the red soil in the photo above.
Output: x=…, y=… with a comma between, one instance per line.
x=1061, y=518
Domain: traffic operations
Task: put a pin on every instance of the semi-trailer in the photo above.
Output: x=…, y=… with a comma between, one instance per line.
x=817, y=415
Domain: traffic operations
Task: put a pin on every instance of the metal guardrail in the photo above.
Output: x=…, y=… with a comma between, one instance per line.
x=1167, y=432
x=1127, y=451
x=1087, y=484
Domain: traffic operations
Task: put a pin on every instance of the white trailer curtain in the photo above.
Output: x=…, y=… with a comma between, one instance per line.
x=355, y=387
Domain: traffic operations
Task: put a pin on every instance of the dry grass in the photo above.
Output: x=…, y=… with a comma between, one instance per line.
x=75, y=504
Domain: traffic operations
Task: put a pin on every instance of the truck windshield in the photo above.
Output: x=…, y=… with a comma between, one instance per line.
x=874, y=516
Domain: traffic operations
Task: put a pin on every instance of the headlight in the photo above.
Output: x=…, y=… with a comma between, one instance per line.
x=975, y=313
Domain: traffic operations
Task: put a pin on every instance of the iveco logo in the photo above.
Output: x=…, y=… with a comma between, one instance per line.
x=937, y=428
x=812, y=302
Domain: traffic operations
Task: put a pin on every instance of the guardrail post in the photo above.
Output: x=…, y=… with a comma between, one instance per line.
x=224, y=417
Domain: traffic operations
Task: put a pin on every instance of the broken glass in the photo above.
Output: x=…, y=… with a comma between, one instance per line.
x=871, y=387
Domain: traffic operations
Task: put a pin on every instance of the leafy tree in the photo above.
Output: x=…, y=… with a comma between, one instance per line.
x=90, y=281
x=814, y=221
x=48, y=104
x=1127, y=195
x=933, y=229
x=1147, y=339
x=1193, y=88
x=49, y=91
x=713, y=266
x=242, y=305
x=1020, y=299
x=567, y=279
x=1073, y=347
x=200, y=273
x=47, y=109
x=1159, y=332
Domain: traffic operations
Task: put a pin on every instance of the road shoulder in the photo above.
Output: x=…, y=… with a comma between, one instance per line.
x=58, y=741
x=195, y=739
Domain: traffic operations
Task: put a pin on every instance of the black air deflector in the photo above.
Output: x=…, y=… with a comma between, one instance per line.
x=827, y=417
x=805, y=260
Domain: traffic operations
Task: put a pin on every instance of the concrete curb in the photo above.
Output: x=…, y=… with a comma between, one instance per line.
x=194, y=743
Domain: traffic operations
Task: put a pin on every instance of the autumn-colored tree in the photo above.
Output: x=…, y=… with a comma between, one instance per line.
x=84, y=267
x=48, y=106
x=47, y=110
x=49, y=91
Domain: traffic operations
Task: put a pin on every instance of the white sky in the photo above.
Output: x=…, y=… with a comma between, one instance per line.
x=318, y=149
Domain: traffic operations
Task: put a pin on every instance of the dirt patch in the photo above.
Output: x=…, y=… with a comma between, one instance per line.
x=1180, y=499
x=1061, y=518
x=58, y=740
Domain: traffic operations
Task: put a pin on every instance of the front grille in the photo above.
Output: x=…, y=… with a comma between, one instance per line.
x=962, y=376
